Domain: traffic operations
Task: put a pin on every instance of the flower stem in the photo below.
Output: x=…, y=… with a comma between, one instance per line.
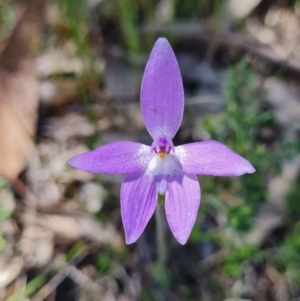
x=160, y=236
x=161, y=273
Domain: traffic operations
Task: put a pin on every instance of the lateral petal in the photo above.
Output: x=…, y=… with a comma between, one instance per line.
x=120, y=157
x=138, y=202
x=162, y=96
x=212, y=158
x=181, y=205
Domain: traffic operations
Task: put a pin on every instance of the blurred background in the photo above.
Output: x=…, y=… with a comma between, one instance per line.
x=70, y=74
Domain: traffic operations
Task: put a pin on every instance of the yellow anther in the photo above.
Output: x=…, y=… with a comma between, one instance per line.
x=161, y=154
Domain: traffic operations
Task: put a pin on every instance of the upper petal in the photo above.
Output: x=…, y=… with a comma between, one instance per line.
x=138, y=202
x=162, y=96
x=181, y=204
x=118, y=157
x=212, y=158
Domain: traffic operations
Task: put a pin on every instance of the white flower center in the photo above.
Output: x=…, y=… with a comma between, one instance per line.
x=163, y=168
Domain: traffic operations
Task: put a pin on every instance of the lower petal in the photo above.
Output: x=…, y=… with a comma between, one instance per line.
x=181, y=205
x=138, y=202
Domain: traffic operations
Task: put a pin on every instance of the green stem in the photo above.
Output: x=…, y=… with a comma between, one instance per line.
x=161, y=273
x=160, y=236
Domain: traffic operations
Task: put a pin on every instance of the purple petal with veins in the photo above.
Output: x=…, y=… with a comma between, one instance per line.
x=212, y=158
x=120, y=157
x=181, y=204
x=162, y=97
x=138, y=202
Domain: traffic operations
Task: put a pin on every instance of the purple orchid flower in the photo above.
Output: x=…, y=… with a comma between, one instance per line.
x=162, y=168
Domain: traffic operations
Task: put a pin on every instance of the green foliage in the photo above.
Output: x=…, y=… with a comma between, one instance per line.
x=295, y=2
x=4, y=214
x=287, y=257
x=213, y=235
x=77, y=20
x=235, y=257
x=239, y=217
x=292, y=200
x=2, y=183
x=32, y=286
x=103, y=262
x=128, y=15
x=240, y=128
x=195, y=9
x=7, y=17
x=77, y=17
x=74, y=251
x=128, y=10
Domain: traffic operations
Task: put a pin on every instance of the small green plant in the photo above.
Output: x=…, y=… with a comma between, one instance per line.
x=195, y=9
x=77, y=21
x=233, y=259
x=4, y=214
x=240, y=127
x=24, y=292
x=7, y=17
x=287, y=256
x=292, y=200
x=103, y=262
x=129, y=13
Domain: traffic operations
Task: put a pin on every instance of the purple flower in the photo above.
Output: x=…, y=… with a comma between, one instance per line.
x=162, y=168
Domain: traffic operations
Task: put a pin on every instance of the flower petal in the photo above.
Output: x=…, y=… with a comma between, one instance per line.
x=212, y=158
x=118, y=157
x=138, y=202
x=162, y=96
x=181, y=205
